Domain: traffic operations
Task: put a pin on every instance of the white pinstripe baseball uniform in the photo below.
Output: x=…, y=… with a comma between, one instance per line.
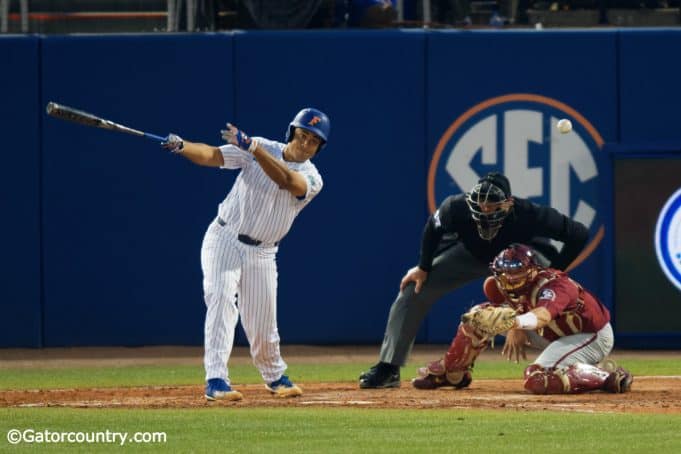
x=255, y=209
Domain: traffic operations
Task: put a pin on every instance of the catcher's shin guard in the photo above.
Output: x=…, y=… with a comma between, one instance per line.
x=575, y=379
x=455, y=369
x=464, y=350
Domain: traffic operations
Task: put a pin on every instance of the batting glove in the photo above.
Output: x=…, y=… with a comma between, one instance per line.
x=234, y=136
x=173, y=143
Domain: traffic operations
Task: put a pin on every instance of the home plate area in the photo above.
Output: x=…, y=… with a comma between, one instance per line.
x=648, y=395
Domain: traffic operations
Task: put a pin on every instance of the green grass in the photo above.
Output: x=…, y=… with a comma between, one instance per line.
x=330, y=430
x=95, y=377
x=296, y=430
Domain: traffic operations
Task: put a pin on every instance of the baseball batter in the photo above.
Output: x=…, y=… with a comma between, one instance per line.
x=535, y=306
x=238, y=255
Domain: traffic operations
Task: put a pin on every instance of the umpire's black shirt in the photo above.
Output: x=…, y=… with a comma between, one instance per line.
x=525, y=221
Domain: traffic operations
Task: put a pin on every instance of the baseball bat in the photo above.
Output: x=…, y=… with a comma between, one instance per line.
x=84, y=118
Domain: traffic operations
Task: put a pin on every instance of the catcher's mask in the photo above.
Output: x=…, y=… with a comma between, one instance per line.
x=489, y=203
x=515, y=269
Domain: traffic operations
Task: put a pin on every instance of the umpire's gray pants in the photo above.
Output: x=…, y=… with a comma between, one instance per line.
x=452, y=268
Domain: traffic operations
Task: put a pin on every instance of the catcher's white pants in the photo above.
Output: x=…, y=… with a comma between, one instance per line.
x=230, y=268
x=586, y=348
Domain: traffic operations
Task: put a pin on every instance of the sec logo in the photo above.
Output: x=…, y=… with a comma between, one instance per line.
x=516, y=135
x=668, y=239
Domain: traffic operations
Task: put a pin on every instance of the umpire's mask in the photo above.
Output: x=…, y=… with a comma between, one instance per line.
x=489, y=202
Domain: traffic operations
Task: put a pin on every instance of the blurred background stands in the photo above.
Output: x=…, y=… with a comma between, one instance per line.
x=620, y=13
x=543, y=13
x=84, y=16
x=117, y=16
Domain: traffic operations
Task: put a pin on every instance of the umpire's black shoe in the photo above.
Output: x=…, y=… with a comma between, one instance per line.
x=381, y=375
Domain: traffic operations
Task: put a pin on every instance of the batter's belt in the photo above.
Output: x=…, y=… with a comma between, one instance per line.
x=245, y=238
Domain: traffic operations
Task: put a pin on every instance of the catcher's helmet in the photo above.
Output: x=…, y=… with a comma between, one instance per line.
x=515, y=269
x=313, y=120
x=487, y=203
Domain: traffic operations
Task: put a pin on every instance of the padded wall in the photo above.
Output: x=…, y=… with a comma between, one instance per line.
x=123, y=220
x=21, y=319
x=103, y=230
x=649, y=94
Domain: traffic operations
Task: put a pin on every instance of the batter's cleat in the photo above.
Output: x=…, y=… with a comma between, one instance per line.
x=218, y=389
x=381, y=375
x=284, y=388
x=618, y=381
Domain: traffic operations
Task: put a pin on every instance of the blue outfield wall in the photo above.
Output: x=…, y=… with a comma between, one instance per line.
x=416, y=115
x=123, y=220
x=21, y=318
x=649, y=94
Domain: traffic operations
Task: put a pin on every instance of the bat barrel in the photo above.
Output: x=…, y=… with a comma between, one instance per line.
x=87, y=119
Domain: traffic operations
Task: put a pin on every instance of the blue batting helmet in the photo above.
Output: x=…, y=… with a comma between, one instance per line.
x=313, y=120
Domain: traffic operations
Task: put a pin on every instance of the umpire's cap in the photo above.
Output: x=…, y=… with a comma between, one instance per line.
x=498, y=180
x=313, y=120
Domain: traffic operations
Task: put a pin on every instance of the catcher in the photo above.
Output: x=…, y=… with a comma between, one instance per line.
x=541, y=307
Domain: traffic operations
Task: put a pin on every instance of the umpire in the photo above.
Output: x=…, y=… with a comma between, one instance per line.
x=459, y=241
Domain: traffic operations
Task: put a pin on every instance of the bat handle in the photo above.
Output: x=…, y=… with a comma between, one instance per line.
x=154, y=137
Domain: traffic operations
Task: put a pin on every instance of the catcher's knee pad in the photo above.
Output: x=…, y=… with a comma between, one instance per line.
x=543, y=380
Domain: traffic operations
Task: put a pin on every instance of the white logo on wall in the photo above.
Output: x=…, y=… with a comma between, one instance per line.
x=668, y=239
x=516, y=134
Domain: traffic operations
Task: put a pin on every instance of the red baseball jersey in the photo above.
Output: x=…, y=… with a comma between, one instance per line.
x=573, y=309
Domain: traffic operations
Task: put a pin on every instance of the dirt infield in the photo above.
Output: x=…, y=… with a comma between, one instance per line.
x=649, y=394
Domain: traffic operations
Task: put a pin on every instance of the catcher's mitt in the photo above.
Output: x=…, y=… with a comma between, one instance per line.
x=490, y=320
